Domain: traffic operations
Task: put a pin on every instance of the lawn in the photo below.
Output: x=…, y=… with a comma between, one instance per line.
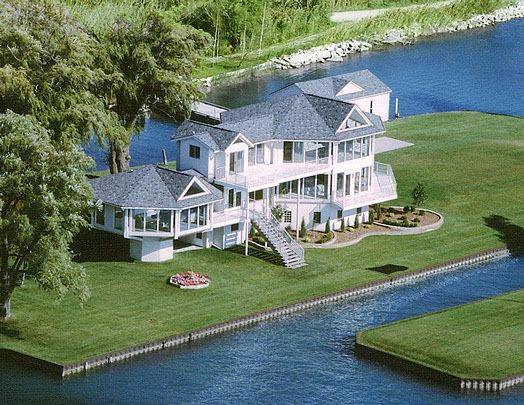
x=471, y=163
x=483, y=339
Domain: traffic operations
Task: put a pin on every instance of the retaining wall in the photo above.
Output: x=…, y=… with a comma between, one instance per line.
x=113, y=357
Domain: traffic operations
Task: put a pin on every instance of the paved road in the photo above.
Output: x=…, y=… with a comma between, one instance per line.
x=354, y=16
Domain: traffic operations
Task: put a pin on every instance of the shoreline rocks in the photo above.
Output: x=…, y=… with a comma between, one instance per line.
x=336, y=52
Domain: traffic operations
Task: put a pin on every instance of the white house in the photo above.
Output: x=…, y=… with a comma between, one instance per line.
x=310, y=149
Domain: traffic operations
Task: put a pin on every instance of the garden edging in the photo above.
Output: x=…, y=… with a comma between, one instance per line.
x=397, y=231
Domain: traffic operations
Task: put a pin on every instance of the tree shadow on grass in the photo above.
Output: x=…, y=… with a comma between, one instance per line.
x=509, y=233
x=388, y=268
x=91, y=245
x=9, y=330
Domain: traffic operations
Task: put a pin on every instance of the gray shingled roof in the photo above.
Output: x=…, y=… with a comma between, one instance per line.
x=328, y=87
x=298, y=117
x=150, y=187
x=212, y=136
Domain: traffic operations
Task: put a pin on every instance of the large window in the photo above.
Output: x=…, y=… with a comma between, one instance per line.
x=138, y=220
x=298, y=151
x=309, y=187
x=322, y=185
x=358, y=148
x=151, y=220
x=355, y=148
x=164, y=221
x=348, y=184
x=234, y=198
x=288, y=151
x=236, y=162
x=118, y=221
x=194, y=151
x=194, y=217
x=255, y=154
x=365, y=179
x=287, y=217
x=340, y=184
x=317, y=217
x=316, y=151
x=260, y=153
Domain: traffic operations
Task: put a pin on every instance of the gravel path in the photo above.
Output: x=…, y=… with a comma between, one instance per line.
x=358, y=15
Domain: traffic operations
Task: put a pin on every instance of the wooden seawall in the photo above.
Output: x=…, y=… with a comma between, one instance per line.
x=171, y=341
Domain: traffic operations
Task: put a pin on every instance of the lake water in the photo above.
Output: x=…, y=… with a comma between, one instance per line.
x=477, y=70
x=308, y=358
x=303, y=358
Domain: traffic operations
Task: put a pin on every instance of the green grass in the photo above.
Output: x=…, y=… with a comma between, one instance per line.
x=484, y=339
x=471, y=164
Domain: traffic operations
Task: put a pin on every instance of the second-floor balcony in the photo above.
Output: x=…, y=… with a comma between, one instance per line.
x=382, y=187
x=269, y=175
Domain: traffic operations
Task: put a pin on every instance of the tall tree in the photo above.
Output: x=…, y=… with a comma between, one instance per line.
x=46, y=70
x=149, y=64
x=44, y=197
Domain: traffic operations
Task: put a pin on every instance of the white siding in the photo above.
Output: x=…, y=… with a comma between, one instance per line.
x=204, y=165
x=380, y=105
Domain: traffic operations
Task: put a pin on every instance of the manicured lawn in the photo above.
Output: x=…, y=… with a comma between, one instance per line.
x=472, y=165
x=483, y=339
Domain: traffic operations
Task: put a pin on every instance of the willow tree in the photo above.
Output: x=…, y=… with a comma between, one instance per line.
x=149, y=63
x=44, y=196
x=47, y=71
x=49, y=104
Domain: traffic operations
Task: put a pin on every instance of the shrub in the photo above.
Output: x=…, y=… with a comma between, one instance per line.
x=419, y=194
x=371, y=217
x=342, y=227
x=406, y=209
x=403, y=217
x=389, y=215
x=327, y=229
x=278, y=212
x=405, y=223
x=416, y=220
x=391, y=210
x=303, y=230
x=356, y=224
x=379, y=211
x=325, y=238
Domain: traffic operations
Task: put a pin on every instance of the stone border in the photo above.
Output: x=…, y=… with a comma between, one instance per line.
x=175, y=340
x=397, y=231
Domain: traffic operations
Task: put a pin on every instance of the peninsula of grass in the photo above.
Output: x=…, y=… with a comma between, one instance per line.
x=482, y=340
x=471, y=164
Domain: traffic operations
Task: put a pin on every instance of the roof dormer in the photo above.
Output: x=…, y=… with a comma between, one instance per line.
x=355, y=119
x=350, y=88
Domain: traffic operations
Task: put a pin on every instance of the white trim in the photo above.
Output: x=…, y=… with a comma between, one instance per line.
x=352, y=84
x=244, y=139
x=202, y=186
x=359, y=111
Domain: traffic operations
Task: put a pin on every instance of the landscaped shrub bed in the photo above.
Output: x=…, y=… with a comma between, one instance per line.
x=406, y=217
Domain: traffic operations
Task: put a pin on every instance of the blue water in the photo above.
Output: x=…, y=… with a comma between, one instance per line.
x=477, y=70
x=304, y=358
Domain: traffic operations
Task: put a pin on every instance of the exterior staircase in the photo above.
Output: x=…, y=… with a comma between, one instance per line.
x=289, y=250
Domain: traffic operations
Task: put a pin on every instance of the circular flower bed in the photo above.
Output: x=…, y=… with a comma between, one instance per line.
x=189, y=280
